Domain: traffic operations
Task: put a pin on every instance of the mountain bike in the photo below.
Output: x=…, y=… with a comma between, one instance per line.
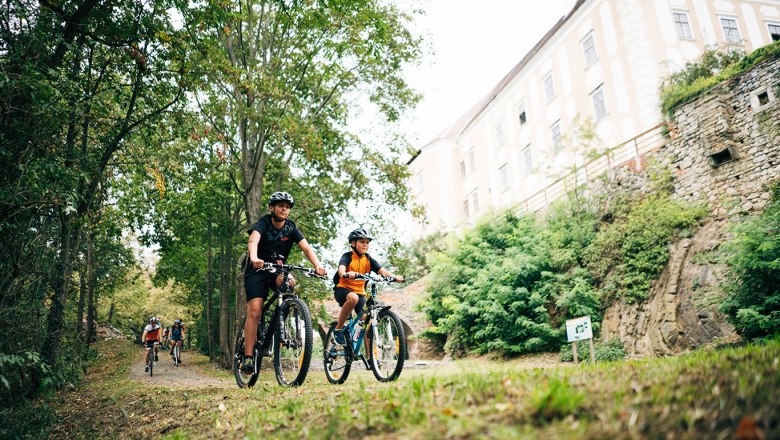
x=383, y=330
x=150, y=361
x=284, y=330
x=176, y=353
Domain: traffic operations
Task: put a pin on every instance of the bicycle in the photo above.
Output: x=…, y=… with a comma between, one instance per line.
x=176, y=354
x=287, y=331
x=386, y=340
x=150, y=361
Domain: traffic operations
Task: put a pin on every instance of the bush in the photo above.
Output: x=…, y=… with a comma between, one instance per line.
x=612, y=350
x=753, y=303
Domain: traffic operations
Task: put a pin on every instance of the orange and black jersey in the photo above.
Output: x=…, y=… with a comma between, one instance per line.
x=360, y=264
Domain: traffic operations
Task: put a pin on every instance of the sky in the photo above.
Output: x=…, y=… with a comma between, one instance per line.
x=474, y=43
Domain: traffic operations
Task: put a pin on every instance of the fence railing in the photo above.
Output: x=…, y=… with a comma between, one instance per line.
x=617, y=156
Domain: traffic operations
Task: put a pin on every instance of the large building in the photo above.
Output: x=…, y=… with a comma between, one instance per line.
x=603, y=62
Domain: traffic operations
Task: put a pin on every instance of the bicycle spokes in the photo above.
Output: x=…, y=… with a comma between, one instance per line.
x=292, y=352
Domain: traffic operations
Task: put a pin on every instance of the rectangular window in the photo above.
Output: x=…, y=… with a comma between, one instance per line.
x=528, y=165
x=499, y=135
x=589, y=48
x=774, y=31
x=682, y=25
x=463, y=168
x=474, y=208
x=466, y=208
x=730, y=30
x=420, y=182
x=549, y=88
x=503, y=178
x=521, y=113
x=472, y=161
x=599, y=106
x=555, y=134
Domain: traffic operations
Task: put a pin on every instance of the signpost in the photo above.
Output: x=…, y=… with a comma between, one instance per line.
x=578, y=329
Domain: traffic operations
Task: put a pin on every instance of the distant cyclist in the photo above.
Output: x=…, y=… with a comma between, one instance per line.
x=177, y=335
x=151, y=339
x=166, y=336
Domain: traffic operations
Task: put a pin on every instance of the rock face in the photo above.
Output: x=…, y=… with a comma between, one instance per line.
x=725, y=151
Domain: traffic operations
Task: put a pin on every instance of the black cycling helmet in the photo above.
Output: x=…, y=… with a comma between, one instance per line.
x=281, y=196
x=358, y=234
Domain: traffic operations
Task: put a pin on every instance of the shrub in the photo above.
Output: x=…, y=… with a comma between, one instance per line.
x=753, y=303
x=611, y=350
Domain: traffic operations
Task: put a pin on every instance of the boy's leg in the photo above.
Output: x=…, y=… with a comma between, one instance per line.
x=346, y=309
x=253, y=309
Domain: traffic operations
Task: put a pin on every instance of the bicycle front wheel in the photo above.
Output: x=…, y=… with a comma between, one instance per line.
x=387, y=347
x=293, y=345
x=337, y=367
x=243, y=379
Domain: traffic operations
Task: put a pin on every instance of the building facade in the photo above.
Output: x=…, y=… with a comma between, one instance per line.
x=598, y=70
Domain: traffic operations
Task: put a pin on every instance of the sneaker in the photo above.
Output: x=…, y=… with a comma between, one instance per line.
x=146, y=369
x=249, y=365
x=338, y=337
x=156, y=359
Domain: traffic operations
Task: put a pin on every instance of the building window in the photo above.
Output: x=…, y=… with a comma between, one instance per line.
x=683, y=25
x=599, y=106
x=503, y=178
x=499, y=135
x=420, y=182
x=521, y=113
x=463, y=168
x=774, y=31
x=730, y=30
x=549, y=88
x=474, y=208
x=528, y=165
x=589, y=48
x=472, y=161
x=555, y=134
x=466, y=208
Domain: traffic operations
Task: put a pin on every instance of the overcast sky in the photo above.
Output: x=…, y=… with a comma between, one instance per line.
x=475, y=44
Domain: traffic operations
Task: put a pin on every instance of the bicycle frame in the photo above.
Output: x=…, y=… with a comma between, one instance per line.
x=372, y=309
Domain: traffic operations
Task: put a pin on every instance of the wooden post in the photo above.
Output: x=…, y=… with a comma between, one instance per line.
x=574, y=349
x=592, y=356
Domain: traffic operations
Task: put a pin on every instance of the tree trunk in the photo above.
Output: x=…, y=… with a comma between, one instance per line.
x=224, y=307
x=82, y=295
x=209, y=296
x=55, y=325
x=90, y=288
x=110, y=313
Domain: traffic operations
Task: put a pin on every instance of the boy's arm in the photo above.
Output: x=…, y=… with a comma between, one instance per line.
x=386, y=273
x=309, y=252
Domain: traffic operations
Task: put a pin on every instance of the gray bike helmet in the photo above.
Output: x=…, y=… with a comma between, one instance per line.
x=281, y=196
x=358, y=234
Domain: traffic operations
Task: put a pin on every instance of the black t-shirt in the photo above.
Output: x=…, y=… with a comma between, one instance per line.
x=274, y=241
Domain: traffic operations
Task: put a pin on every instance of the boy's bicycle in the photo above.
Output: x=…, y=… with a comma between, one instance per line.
x=385, y=335
x=287, y=330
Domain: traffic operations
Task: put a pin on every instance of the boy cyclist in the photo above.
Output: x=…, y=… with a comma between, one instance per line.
x=270, y=238
x=177, y=335
x=351, y=293
x=150, y=339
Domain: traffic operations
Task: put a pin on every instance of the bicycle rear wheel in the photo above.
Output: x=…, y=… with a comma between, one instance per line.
x=337, y=367
x=243, y=379
x=293, y=345
x=387, y=347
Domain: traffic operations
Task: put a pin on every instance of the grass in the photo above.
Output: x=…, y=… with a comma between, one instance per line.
x=705, y=394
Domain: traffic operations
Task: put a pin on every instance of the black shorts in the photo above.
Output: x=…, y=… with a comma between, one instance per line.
x=258, y=284
x=150, y=344
x=340, y=294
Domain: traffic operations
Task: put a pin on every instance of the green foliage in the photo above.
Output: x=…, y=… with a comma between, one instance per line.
x=555, y=399
x=414, y=260
x=627, y=255
x=611, y=350
x=712, y=68
x=753, y=302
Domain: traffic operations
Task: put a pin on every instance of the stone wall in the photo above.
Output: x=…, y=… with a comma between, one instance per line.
x=725, y=151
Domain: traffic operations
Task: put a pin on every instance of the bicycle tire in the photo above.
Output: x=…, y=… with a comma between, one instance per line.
x=176, y=355
x=242, y=380
x=292, y=351
x=336, y=373
x=151, y=363
x=387, y=357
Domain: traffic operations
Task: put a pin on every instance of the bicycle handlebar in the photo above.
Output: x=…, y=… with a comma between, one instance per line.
x=287, y=268
x=375, y=279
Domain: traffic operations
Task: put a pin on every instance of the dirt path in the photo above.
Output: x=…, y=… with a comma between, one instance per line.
x=186, y=375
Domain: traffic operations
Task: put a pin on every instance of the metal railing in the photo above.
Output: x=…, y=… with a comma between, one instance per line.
x=617, y=156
